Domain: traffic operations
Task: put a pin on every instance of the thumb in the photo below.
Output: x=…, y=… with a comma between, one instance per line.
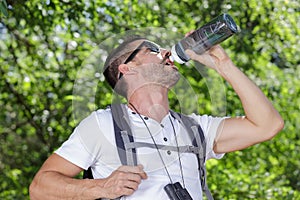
x=141, y=172
x=191, y=54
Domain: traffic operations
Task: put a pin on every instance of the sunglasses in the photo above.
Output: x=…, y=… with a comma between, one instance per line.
x=152, y=47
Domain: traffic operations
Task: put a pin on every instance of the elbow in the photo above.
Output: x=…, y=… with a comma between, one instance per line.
x=280, y=124
x=33, y=189
x=276, y=126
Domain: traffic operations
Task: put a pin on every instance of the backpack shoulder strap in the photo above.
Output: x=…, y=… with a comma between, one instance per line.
x=198, y=139
x=194, y=130
x=123, y=134
x=88, y=174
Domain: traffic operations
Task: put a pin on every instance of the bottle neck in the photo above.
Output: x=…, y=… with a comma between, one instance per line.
x=178, y=55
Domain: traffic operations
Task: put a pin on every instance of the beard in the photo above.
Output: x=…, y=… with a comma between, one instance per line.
x=160, y=74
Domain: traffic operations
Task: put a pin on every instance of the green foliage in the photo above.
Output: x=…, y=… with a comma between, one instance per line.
x=3, y=7
x=49, y=46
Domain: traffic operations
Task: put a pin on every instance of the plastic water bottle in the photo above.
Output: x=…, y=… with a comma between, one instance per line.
x=201, y=40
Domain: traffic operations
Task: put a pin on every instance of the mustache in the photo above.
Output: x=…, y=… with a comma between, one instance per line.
x=164, y=60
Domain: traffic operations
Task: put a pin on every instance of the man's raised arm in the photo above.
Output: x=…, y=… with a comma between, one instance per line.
x=261, y=121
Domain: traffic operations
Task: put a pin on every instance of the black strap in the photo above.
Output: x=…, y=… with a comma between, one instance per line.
x=121, y=123
x=88, y=174
x=190, y=124
x=120, y=143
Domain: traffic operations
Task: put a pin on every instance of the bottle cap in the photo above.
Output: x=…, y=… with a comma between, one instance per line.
x=231, y=24
x=175, y=57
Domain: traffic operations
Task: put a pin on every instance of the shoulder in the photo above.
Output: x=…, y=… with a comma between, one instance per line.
x=95, y=130
x=103, y=115
x=95, y=125
x=99, y=116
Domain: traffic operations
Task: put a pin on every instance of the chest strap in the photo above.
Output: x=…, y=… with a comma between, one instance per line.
x=180, y=149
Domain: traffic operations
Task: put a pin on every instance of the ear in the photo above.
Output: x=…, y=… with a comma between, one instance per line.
x=125, y=69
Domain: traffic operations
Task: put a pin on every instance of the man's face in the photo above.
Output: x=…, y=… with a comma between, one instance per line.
x=149, y=52
x=153, y=63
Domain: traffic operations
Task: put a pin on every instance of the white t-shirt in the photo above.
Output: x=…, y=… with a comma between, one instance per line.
x=93, y=144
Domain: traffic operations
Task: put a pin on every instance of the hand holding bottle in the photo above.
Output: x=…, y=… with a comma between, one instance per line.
x=214, y=58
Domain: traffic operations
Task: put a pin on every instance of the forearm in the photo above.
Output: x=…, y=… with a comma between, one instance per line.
x=53, y=185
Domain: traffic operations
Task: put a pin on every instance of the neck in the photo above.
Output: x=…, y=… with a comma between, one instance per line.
x=151, y=102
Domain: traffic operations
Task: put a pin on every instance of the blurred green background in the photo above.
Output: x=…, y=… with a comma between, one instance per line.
x=44, y=43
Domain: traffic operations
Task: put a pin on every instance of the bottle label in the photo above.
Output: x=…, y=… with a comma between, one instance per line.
x=214, y=32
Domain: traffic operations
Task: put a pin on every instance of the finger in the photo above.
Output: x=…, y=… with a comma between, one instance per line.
x=133, y=177
x=190, y=53
x=217, y=46
x=198, y=57
x=134, y=169
x=132, y=185
x=124, y=180
x=189, y=33
x=218, y=52
x=127, y=191
x=127, y=187
x=118, y=191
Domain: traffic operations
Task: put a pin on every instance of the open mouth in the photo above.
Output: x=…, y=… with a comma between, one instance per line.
x=168, y=62
x=171, y=64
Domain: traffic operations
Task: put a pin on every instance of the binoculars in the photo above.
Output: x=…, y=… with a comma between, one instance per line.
x=176, y=192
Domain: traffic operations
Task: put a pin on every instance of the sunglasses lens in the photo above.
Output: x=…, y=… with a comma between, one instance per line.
x=149, y=45
x=152, y=47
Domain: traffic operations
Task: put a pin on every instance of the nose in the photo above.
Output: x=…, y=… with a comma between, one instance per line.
x=165, y=53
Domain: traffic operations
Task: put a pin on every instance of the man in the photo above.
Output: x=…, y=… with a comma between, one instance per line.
x=143, y=73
